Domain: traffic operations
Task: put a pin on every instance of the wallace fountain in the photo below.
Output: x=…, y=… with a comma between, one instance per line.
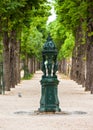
x=49, y=101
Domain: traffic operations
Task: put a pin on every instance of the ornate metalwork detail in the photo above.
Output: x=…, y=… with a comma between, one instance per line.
x=49, y=99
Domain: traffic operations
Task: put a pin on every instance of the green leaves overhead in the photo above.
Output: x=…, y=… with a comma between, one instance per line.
x=57, y=32
x=67, y=47
x=9, y=7
x=71, y=13
x=31, y=42
x=20, y=12
x=63, y=38
x=27, y=17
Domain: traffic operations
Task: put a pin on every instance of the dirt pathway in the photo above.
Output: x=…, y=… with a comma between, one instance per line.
x=17, y=113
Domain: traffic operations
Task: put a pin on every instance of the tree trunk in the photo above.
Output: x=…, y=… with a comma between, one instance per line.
x=34, y=65
x=73, y=66
x=13, y=58
x=59, y=66
x=38, y=65
x=26, y=70
x=31, y=66
x=89, y=68
x=80, y=70
x=6, y=61
x=64, y=66
x=18, y=61
x=78, y=64
x=89, y=61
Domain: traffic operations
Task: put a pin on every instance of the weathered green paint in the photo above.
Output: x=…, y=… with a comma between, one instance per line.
x=49, y=96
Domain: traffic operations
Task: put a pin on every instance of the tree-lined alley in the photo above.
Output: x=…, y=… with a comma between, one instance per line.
x=23, y=31
x=24, y=21
x=75, y=18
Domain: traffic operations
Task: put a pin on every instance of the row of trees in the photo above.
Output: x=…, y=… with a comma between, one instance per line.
x=22, y=29
x=73, y=34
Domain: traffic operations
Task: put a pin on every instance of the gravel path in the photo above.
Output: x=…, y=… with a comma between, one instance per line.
x=17, y=113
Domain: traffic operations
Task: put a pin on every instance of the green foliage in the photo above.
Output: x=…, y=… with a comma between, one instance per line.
x=67, y=47
x=28, y=17
x=57, y=31
x=63, y=38
x=9, y=9
x=1, y=51
x=33, y=35
x=17, y=13
x=71, y=13
x=27, y=77
x=90, y=34
x=31, y=43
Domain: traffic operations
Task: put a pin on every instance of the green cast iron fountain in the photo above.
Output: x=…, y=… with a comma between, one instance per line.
x=49, y=96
